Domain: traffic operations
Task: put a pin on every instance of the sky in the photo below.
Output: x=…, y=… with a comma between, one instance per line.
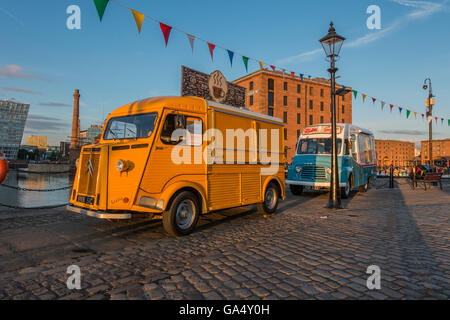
x=42, y=61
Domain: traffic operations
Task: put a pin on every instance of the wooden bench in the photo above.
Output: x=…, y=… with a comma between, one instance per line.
x=432, y=177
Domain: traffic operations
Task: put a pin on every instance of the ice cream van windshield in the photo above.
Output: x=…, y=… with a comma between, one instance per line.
x=317, y=146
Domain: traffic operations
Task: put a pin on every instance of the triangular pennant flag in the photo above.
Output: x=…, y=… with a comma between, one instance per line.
x=382, y=104
x=166, y=31
x=301, y=76
x=364, y=97
x=408, y=112
x=422, y=116
x=139, y=18
x=415, y=115
x=191, y=41
x=309, y=76
x=292, y=75
x=211, y=49
x=355, y=93
x=261, y=64
x=101, y=6
x=245, y=60
x=400, y=109
x=230, y=55
x=442, y=121
x=282, y=71
x=435, y=118
x=273, y=68
x=391, y=106
x=373, y=100
x=449, y=122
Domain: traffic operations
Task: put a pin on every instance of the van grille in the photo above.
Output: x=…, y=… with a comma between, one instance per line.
x=313, y=173
x=88, y=173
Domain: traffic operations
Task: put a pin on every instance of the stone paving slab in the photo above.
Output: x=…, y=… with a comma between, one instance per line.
x=303, y=252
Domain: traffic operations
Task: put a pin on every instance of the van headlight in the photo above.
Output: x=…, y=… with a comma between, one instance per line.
x=120, y=165
x=298, y=169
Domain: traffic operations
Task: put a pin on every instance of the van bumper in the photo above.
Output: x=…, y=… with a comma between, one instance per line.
x=98, y=214
x=324, y=184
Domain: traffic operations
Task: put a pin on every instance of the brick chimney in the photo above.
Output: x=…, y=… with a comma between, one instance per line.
x=75, y=138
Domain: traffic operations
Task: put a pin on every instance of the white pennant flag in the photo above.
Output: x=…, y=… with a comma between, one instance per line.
x=283, y=70
x=191, y=41
x=382, y=104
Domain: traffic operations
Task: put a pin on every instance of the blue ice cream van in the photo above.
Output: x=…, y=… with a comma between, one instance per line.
x=311, y=165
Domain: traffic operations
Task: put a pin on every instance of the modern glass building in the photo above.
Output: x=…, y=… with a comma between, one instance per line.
x=13, y=116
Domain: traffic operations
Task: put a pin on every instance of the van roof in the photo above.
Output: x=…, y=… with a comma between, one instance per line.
x=188, y=103
x=351, y=127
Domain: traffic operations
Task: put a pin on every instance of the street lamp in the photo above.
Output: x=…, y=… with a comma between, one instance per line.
x=429, y=105
x=332, y=44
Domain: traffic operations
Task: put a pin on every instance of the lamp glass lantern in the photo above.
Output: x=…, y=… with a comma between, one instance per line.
x=332, y=43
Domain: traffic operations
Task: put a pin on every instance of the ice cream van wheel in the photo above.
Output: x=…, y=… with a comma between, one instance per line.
x=182, y=217
x=271, y=198
x=366, y=186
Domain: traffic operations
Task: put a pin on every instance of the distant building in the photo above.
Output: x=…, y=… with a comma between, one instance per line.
x=441, y=149
x=13, y=116
x=38, y=141
x=64, y=148
x=298, y=102
x=398, y=153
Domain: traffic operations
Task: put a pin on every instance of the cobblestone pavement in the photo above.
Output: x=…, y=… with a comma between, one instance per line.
x=303, y=252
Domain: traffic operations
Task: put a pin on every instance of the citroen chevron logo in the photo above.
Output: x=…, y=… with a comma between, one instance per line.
x=90, y=168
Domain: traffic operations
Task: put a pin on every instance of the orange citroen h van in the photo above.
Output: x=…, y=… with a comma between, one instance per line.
x=176, y=158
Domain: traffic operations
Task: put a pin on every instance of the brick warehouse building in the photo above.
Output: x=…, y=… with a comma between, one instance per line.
x=399, y=153
x=441, y=149
x=298, y=103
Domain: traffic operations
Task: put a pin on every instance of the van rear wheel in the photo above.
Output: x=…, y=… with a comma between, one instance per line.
x=271, y=197
x=182, y=217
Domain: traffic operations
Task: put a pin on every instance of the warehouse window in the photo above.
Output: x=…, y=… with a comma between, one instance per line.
x=284, y=100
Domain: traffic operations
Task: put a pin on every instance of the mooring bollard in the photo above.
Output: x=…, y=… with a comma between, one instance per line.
x=391, y=177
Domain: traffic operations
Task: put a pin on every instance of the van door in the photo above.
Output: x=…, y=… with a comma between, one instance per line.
x=178, y=132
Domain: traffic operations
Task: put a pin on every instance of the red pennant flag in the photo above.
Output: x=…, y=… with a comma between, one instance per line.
x=273, y=68
x=166, y=31
x=373, y=100
x=211, y=49
x=391, y=106
x=292, y=75
x=435, y=118
x=422, y=116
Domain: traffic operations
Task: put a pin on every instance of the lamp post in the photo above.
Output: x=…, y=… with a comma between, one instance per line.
x=429, y=105
x=332, y=44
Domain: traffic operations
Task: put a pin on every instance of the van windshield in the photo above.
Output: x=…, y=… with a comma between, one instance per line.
x=130, y=127
x=317, y=146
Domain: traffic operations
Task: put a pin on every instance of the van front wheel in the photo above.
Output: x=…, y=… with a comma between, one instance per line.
x=271, y=197
x=182, y=217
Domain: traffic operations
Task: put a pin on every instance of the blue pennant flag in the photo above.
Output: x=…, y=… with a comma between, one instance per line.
x=231, y=55
x=301, y=77
x=400, y=109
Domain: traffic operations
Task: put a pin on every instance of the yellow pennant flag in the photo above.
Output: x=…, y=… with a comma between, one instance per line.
x=261, y=64
x=139, y=18
x=415, y=115
x=364, y=97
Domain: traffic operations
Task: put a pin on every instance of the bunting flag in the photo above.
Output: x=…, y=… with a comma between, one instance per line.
x=245, y=60
x=415, y=115
x=301, y=76
x=423, y=116
x=449, y=122
x=391, y=106
x=139, y=18
x=435, y=118
x=442, y=121
x=382, y=104
x=364, y=97
x=261, y=65
x=101, y=6
x=408, y=112
x=283, y=71
x=166, y=31
x=211, y=49
x=293, y=75
x=373, y=100
x=273, y=68
x=355, y=93
x=400, y=109
x=230, y=55
x=191, y=39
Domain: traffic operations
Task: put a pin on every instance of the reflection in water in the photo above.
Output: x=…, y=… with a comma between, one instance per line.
x=21, y=198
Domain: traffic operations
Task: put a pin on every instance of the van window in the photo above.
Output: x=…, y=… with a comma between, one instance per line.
x=365, y=149
x=130, y=127
x=317, y=146
x=193, y=130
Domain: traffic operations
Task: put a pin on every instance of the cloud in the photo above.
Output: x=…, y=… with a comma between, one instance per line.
x=41, y=123
x=404, y=132
x=54, y=104
x=15, y=71
x=21, y=90
x=424, y=9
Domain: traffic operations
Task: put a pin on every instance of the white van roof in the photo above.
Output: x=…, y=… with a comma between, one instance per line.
x=349, y=126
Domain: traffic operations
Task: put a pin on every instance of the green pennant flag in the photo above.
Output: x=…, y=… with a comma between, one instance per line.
x=449, y=122
x=245, y=59
x=355, y=93
x=408, y=112
x=101, y=6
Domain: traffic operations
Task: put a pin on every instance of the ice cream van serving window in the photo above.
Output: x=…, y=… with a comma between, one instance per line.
x=130, y=127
